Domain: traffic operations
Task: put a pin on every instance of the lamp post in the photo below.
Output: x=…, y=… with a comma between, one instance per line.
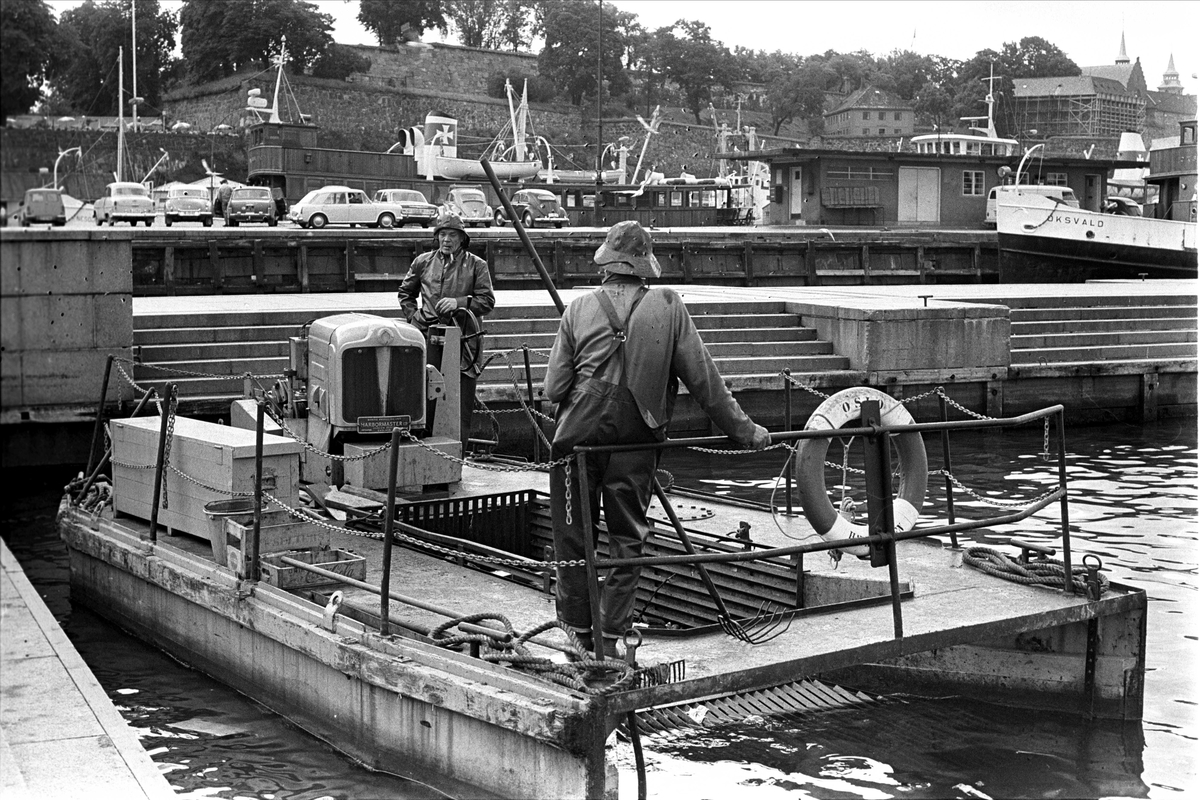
x=60, y=158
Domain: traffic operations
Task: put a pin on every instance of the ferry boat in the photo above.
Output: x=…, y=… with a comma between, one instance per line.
x=1043, y=240
x=404, y=614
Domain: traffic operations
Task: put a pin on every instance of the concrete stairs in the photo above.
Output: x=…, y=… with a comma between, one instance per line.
x=206, y=355
x=1108, y=331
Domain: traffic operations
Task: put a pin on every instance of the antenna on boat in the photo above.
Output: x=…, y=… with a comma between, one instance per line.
x=278, y=80
x=990, y=130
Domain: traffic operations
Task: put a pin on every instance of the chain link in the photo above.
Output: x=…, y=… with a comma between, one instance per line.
x=192, y=373
x=172, y=405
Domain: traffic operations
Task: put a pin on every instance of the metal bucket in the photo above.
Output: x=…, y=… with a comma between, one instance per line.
x=239, y=509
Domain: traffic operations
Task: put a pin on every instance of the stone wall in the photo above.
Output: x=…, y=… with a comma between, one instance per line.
x=459, y=69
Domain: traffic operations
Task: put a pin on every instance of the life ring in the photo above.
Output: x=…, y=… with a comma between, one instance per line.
x=834, y=413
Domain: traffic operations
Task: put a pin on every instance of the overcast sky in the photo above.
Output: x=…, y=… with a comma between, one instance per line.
x=1088, y=32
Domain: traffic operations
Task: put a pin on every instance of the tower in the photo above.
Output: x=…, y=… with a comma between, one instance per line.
x=1121, y=57
x=1170, y=82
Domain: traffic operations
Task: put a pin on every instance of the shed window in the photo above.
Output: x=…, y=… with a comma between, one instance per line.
x=1056, y=179
x=972, y=183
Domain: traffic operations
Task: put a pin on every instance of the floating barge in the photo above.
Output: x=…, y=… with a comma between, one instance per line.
x=287, y=609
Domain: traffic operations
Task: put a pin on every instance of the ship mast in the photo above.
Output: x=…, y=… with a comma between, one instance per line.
x=278, y=80
x=120, y=111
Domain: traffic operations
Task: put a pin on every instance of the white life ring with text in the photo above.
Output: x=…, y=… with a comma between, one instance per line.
x=834, y=413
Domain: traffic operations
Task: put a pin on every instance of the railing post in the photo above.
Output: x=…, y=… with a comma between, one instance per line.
x=537, y=444
x=1068, y=587
x=946, y=465
x=787, y=426
x=877, y=462
x=252, y=546
x=91, y=462
x=389, y=521
x=95, y=473
x=168, y=396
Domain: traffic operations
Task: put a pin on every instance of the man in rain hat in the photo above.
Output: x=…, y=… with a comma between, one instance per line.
x=454, y=286
x=614, y=370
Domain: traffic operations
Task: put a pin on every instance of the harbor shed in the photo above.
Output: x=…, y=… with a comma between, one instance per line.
x=825, y=186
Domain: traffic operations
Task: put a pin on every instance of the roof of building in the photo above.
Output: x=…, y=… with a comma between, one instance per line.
x=870, y=97
x=1078, y=85
x=1121, y=73
x=1184, y=104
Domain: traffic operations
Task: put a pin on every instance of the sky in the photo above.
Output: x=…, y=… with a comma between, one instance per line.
x=1088, y=32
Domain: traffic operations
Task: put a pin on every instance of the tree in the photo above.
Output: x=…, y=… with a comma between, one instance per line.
x=492, y=24
x=1032, y=57
x=338, y=62
x=574, y=37
x=218, y=39
x=27, y=36
x=695, y=62
x=799, y=93
x=84, y=73
x=393, y=22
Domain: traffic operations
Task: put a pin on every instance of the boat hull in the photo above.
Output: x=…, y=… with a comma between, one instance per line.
x=1041, y=241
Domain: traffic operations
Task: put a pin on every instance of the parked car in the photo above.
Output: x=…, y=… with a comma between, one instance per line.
x=414, y=207
x=187, y=204
x=470, y=204
x=125, y=201
x=42, y=206
x=341, y=205
x=1124, y=206
x=250, y=204
x=534, y=207
x=1060, y=193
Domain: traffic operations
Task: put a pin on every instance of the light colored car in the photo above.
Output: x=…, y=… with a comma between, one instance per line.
x=42, y=206
x=470, y=204
x=188, y=204
x=414, y=207
x=1060, y=193
x=250, y=204
x=125, y=201
x=341, y=205
x=534, y=207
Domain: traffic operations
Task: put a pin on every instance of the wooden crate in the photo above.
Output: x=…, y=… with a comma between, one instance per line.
x=343, y=562
x=277, y=531
x=218, y=456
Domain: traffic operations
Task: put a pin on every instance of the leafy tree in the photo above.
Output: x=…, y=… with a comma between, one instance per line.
x=218, y=39
x=27, y=38
x=393, y=22
x=493, y=24
x=799, y=93
x=695, y=62
x=1032, y=57
x=539, y=89
x=338, y=62
x=576, y=33
x=84, y=74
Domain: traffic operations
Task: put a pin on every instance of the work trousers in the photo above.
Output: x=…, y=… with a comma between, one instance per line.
x=623, y=484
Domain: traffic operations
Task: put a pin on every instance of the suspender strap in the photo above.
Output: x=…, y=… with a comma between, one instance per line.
x=620, y=329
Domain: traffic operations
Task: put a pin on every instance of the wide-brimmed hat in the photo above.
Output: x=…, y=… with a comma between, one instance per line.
x=451, y=222
x=627, y=249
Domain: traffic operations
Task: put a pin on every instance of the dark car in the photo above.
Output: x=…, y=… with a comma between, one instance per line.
x=535, y=207
x=250, y=204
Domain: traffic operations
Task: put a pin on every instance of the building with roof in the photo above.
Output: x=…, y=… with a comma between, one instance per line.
x=870, y=112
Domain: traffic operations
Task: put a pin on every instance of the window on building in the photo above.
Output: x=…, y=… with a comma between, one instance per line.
x=898, y=116
x=866, y=115
x=882, y=116
x=866, y=131
x=897, y=130
x=859, y=173
x=972, y=183
x=883, y=131
x=1056, y=179
x=676, y=199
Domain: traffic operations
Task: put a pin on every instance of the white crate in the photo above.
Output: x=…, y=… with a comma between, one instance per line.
x=218, y=456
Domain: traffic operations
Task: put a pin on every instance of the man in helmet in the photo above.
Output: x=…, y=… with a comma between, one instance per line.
x=453, y=286
x=638, y=379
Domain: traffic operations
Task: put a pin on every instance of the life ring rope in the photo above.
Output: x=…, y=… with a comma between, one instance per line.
x=836, y=412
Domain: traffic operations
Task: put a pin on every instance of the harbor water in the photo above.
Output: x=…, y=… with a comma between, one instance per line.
x=1133, y=504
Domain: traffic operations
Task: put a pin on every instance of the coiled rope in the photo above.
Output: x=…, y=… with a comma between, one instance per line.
x=1046, y=572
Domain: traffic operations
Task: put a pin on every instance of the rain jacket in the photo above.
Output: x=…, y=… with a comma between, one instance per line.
x=465, y=278
x=662, y=348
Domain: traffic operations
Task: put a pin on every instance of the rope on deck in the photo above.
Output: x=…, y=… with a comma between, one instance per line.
x=1047, y=572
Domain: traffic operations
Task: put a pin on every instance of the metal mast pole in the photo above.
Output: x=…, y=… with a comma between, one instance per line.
x=599, y=122
x=134, y=97
x=120, y=110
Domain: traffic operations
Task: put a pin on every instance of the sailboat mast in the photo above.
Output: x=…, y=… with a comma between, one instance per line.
x=134, y=97
x=120, y=111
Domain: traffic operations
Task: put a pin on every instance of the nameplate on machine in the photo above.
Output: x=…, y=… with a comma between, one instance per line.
x=384, y=424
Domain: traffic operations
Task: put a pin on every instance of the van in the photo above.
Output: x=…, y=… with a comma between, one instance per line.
x=43, y=205
x=1061, y=193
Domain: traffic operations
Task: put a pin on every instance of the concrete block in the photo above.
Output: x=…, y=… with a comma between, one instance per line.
x=58, y=321
x=67, y=263
x=11, y=332
x=12, y=390
x=417, y=466
x=65, y=377
x=42, y=717
x=113, y=320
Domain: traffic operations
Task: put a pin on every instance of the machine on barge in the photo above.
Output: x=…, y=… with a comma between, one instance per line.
x=394, y=599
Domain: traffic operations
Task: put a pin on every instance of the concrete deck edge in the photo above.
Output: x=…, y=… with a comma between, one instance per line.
x=142, y=769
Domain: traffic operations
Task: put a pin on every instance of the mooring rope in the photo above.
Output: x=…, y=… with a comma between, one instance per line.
x=1046, y=572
